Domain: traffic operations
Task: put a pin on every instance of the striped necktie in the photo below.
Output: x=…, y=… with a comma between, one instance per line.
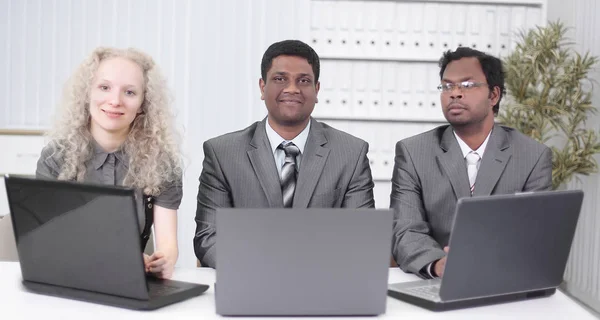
x=472, y=162
x=288, y=173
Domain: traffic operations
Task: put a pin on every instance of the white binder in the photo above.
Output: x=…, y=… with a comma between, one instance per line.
x=403, y=31
x=445, y=27
x=366, y=131
x=416, y=31
x=375, y=73
x=430, y=47
x=405, y=87
x=474, y=37
x=316, y=26
x=387, y=29
x=386, y=150
x=359, y=89
x=460, y=34
x=343, y=96
x=341, y=42
x=328, y=79
x=358, y=32
x=329, y=31
x=518, y=25
x=433, y=105
x=372, y=35
x=489, y=33
x=419, y=82
x=504, y=33
x=389, y=99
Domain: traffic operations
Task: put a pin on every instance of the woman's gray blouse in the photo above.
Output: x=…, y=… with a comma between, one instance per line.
x=108, y=168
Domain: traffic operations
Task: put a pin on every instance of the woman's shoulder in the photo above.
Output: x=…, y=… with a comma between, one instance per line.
x=52, y=151
x=50, y=161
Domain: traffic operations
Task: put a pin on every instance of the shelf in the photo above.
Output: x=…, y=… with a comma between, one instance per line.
x=379, y=59
x=21, y=132
x=533, y=3
x=380, y=119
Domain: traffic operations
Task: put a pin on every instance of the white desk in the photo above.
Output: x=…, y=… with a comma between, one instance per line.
x=19, y=304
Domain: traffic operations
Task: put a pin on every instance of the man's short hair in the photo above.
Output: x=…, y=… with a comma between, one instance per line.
x=290, y=48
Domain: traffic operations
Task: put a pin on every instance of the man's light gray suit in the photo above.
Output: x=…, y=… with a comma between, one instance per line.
x=239, y=171
x=430, y=175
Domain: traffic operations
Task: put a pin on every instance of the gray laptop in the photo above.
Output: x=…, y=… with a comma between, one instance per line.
x=301, y=262
x=83, y=242
x=502, y=248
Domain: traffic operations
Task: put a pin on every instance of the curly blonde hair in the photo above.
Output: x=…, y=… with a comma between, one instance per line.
x=152, y=145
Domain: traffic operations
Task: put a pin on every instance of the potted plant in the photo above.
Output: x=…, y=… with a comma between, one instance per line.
x=549, y=99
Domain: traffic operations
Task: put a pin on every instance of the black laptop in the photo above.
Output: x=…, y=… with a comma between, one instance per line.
x=502, y=248
x=82, y=242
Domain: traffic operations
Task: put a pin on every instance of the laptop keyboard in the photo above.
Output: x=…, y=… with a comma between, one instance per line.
x=428, y=292
x=157, y=289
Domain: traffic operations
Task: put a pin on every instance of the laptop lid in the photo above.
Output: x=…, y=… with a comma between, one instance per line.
x=302, y=261
x=78, y=236
x=505, y=244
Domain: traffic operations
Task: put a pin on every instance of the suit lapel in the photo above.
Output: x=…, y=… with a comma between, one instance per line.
x=311, y=165
x=263, y=163
x=495, y=157
x=453, y=162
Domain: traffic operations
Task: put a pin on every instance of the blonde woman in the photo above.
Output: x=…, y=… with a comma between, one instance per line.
x=115, y=127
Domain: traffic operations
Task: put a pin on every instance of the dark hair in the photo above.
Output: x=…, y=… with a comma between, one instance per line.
x=289, y=48
x=491, y=66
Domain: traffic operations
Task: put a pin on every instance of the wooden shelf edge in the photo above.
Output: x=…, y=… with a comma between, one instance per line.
x=21, y=132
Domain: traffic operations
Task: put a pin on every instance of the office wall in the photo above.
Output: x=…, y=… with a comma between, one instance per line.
x=582, y=277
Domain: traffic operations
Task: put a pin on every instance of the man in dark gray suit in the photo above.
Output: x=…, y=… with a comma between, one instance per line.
x=286, y=160
x=472, y=156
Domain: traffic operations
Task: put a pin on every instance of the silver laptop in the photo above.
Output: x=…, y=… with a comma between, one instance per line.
x=502, y=248
x=300, y=262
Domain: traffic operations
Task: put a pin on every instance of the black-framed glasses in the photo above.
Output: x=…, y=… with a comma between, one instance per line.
x=465, y=85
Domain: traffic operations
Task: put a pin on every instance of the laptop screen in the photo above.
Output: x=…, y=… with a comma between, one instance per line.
x=77, y=235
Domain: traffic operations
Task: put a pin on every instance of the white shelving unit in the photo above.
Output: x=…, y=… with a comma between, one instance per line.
x=379, y=63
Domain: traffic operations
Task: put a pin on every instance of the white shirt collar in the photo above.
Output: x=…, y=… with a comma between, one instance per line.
x=275, y=139
x=466, y=149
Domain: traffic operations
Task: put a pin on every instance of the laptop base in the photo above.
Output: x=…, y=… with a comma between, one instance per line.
x=474, y=302
x=185, y=290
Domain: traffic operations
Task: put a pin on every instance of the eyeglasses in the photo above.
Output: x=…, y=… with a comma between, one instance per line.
x=465, y=85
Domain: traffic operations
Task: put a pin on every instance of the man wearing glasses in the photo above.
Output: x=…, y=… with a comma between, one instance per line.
x=472, y=156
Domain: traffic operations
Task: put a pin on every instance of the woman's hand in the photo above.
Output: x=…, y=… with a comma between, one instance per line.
x=159, y=264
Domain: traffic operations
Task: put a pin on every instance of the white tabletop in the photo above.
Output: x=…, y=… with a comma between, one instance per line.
x=16, y=303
